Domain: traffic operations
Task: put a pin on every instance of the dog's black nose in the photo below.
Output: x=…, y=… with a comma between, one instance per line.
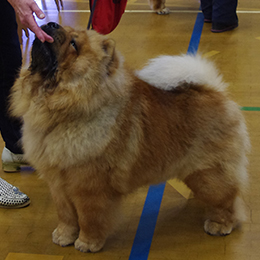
x=53, y=25
x=50, y=27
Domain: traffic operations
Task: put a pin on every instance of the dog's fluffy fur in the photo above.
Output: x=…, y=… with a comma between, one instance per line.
x=96, y=132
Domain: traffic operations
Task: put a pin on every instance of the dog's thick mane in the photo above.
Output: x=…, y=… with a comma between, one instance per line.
x=168, y=72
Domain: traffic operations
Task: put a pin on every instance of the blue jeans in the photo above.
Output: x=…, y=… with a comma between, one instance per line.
x=10, y=64
x=220, y=11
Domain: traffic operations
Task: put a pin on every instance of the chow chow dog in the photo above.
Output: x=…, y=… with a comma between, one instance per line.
x=96, y=131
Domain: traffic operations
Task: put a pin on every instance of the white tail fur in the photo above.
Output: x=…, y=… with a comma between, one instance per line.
x=167, y=72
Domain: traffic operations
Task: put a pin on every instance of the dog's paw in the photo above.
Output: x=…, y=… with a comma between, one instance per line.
x=89, y=246
x=164, y=11
x=64, y=238
x=217, y=229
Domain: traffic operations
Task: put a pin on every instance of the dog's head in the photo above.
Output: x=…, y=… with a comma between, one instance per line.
x=73, y=53
x=78, y=72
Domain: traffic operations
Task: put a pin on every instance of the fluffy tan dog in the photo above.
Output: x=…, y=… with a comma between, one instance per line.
x=96, y=132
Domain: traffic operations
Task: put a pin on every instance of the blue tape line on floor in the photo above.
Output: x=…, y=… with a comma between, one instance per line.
x=144, y=234
x=145, y=230
x=195, y=37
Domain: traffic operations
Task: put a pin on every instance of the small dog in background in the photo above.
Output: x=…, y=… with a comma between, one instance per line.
x=96, y=132
x=159, y=6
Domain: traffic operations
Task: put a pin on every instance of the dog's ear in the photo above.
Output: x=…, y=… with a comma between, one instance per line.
x=108, y=46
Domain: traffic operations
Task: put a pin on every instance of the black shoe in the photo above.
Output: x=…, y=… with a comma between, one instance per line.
x=206, y=20
x=223, y=27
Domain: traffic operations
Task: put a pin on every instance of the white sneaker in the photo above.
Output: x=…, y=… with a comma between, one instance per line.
x=12, y=162
x=11, y=196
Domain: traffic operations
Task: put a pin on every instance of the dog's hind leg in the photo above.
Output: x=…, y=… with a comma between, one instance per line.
x=221, y=193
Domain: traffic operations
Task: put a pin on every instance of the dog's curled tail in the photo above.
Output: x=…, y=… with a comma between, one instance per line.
x=168, y=72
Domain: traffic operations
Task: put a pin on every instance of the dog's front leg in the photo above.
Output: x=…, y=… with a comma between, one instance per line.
x=67, y=230
x=97, y=216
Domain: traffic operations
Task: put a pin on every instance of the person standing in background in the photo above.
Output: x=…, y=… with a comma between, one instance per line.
x=10, y=64
x=222, y=14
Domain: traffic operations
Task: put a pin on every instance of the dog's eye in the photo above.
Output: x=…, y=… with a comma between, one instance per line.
x=74, y=45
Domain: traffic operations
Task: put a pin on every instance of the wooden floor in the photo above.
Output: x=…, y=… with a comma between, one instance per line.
x=25, y=234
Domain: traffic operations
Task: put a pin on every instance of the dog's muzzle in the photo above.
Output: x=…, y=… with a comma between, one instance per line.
x=50, y=27
x=44, y=58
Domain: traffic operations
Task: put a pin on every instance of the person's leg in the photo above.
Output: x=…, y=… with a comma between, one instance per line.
x=206, y=7
x=224, y=15
x=10, y=63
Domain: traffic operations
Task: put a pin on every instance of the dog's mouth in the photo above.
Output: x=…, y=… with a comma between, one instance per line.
x=44, y=55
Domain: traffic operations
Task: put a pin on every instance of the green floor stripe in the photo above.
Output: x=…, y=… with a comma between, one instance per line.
x=250, y=108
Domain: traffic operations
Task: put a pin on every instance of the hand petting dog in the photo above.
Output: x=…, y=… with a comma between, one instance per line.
x=25, y=10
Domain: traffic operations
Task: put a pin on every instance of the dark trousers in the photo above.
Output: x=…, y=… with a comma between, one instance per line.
x=220, y=11
x=10, y=63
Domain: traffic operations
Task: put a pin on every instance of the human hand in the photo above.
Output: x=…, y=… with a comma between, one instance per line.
x=25, y=9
